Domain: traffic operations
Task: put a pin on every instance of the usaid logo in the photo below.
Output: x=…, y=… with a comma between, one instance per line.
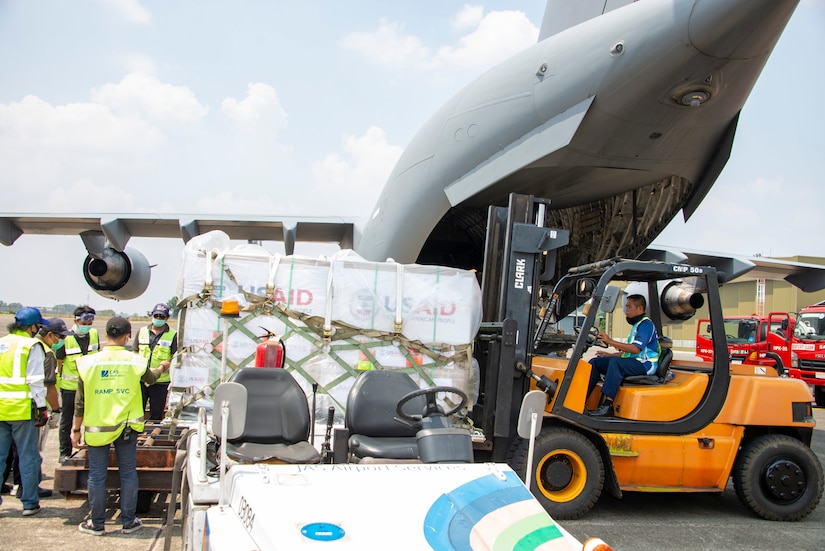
x=362, y=304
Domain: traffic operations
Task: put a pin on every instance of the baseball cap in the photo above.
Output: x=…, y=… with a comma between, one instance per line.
x=28, y=316
x=56, y=326
x=118, y=326
x=161, y=308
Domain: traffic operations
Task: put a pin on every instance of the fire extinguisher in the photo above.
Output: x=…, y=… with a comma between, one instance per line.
x=270, y=352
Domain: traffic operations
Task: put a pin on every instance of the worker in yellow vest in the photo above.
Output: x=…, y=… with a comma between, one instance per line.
x=157, y=342
x=50, y=333
x=109, y=405
x=82, y=341
x=23, y=401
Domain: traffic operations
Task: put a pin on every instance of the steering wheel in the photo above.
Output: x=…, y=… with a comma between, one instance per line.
x=592, y=336
x=432, y=407
x=729, y=337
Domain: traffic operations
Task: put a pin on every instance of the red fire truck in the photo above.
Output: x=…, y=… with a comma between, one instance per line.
x=761, y=340
x=809, y=346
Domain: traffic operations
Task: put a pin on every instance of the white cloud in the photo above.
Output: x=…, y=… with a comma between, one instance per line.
x=229, y=202
x=499, y=35
x=35, y=123
x=141, y=93
x=492, y=38
x=131, y=10
x=76, y=198
x=260, y=106
x=353, y=181
x=468, y=18
x=389, y=45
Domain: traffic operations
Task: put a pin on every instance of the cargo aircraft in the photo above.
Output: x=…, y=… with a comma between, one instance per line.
x=623, y=114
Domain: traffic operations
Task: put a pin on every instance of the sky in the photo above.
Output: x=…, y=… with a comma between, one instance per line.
x=302, y=108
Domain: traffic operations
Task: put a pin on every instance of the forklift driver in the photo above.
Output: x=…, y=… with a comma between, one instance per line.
x=638, y=356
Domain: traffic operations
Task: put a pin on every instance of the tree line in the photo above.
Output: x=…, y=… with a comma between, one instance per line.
x=66, y=310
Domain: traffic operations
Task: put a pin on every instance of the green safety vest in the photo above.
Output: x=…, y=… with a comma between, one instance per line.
x=15, y=394
x=162, y=351
x=68, y=377
x=112, y=394
x=645, y=354
x=48, y=350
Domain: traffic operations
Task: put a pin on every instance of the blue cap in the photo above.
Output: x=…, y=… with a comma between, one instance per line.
x=162, y=309
x=29, y=316
x=56, y=326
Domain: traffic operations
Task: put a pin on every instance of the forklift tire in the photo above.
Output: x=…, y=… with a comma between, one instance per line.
x=819, y=396
x=778, y=478
x=568, y=473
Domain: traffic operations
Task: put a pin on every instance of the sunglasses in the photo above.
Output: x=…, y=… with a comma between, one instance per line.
x=159, y=316
x=86, y=316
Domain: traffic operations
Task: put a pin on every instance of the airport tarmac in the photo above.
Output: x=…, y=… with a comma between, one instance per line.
x=642, y=522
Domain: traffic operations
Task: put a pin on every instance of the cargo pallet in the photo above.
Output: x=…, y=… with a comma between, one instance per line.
x=155, y=460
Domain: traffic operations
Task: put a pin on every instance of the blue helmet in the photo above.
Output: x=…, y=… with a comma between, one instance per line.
x=29, y=316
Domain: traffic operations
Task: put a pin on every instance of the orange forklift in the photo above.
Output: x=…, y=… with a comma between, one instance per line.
x=690, y=427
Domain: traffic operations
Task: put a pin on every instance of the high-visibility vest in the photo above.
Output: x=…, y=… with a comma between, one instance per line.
x=48, y=350
x=68, y=376
x=15, y=394
x=160, y=353
x=645, y=354
x=112, y=394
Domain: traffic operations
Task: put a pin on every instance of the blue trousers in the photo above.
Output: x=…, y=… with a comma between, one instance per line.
x=25, y=436
x=126, y=452
x=614, y=369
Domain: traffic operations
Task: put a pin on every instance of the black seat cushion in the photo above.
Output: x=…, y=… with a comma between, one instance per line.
x=372, y=400
x=661, y=371
x=276, y=411
x=372, y=420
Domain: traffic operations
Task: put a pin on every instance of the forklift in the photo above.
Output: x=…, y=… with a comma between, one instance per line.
x=691, y=427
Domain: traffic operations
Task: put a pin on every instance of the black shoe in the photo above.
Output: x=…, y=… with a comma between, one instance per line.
x=6, y=489
x=604, y=410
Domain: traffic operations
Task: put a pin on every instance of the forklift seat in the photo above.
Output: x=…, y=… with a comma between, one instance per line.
x=374, y=427
x=274, y=416
x=659, y=377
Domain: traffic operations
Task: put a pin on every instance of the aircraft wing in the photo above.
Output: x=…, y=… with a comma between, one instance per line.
x=118, y=229
x=807, y=277
x=116, y=271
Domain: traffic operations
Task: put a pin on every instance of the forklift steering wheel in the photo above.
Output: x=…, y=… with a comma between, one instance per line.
x=592, y=336
x=432, y=407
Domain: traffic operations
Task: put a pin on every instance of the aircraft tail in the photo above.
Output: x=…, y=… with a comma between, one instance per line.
x=563, y=14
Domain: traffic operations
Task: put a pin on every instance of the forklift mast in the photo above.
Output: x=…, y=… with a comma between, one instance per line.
x=519, y=253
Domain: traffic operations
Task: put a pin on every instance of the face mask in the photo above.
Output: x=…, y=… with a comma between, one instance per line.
x=58, y=345
x=634, y=319
x=158, y=323
x=83, y=329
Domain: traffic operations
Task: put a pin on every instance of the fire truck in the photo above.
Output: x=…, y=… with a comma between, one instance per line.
x=760, y=340
x=809, y=345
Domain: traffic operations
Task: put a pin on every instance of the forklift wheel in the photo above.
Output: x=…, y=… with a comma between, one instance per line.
x=568, y=472
x=778, y=478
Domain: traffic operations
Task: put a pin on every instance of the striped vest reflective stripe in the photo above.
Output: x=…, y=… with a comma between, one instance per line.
x=15, y=394
x=68, y=376
x=112, y=394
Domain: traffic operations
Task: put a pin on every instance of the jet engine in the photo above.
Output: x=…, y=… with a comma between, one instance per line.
x=117, y=275
x=678, y=299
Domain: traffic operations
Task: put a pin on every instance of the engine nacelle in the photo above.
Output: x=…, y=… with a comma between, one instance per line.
x=678, y=299
x=118, y=275
x=679, y=302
